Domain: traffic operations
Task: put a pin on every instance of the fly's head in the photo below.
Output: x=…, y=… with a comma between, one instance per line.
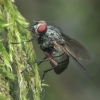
x=39, y=27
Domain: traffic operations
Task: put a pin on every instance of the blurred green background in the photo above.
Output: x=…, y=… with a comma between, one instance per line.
x=79, y=19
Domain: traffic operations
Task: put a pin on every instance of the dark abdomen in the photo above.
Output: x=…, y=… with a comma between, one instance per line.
x=62, y=59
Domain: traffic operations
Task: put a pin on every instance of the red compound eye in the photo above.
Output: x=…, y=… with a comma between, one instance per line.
x=42, y=29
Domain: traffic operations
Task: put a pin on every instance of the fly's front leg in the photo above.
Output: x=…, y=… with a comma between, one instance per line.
x=33, y=38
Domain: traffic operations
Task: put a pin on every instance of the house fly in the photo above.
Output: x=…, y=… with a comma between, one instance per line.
x=58, y=48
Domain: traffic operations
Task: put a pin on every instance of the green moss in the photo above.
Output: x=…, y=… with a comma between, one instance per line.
x=14, y=58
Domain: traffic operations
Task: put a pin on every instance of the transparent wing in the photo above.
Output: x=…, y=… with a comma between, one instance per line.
x=76, y=49
x=73, y=58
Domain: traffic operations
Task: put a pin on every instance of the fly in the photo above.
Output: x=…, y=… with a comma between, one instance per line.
x=58, y=48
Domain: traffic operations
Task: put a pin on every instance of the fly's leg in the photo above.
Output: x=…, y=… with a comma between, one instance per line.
x=48, y=57
x=26, y=69
x=38, y=63
x=25, y=41
x=44, y=73
x=51, y=60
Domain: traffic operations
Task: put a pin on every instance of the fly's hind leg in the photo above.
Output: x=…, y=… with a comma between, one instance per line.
x=44, y=73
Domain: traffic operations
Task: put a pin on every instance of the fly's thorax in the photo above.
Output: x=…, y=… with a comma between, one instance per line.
x=46, y=44
x=54, y=34
x=49, y=36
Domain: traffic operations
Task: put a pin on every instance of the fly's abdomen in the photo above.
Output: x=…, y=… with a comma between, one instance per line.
x=62, y=59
